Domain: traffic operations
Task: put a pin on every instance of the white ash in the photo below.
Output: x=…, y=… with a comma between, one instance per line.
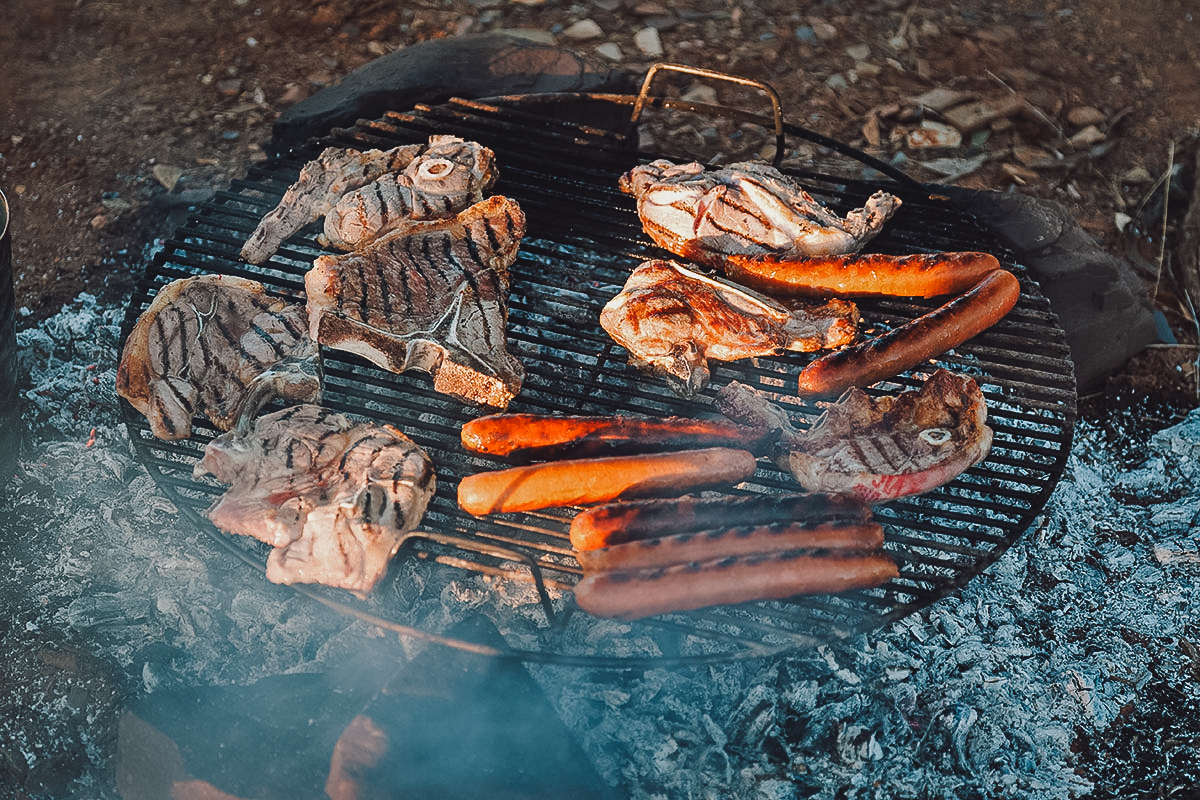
x=984, y=693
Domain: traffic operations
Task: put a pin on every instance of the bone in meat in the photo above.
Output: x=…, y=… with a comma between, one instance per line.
x=332, y=498
x=877, y=448
x=744, y=209
x=216, y=345
x=433, y=297
x=672, y=320
x=321, y=183
x=445, y=179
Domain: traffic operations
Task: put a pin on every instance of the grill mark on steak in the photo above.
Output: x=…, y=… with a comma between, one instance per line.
x=431, y=296
x=216, y=345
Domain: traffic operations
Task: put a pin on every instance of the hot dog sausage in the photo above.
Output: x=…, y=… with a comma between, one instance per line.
x=638, y=593
x=602, y=480
x=862, y=275
x=617, y=523
x=540, y=436
x=908, y=345
x=714, y=545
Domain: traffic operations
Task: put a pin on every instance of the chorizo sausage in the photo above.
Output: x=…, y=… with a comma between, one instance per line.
x=545, y=437
x=859, y=275
x=913, y=342
x=634, y=520
x=635, y=593
x=586, y=481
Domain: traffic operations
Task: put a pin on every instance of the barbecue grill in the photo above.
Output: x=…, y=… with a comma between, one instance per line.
x=583, y=239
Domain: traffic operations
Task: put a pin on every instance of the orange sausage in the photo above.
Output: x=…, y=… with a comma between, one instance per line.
x=631, y=594
x=586, y=481
x=540, y=436
x=861, y=275
x=682, y=548
x=908, y=345
x=634, y=520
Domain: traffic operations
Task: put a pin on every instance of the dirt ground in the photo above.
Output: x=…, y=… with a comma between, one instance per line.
x=118, y=115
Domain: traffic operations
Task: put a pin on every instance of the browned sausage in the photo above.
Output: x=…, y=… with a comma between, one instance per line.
x=586, y=481
x=634, y=520
x=908, y=345
x=682, y=548
x=861, y=275
x=540, y=436
x=641, y=593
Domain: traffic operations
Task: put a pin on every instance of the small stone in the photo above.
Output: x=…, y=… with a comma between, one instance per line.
x=980, y=114
x=700, y=93
x=940, y=99
x=229, y=87
x=932, y=135
x=823, y=30
x=1083, y=116
x=837, y=81
x=651, y=10
x=1087, y=137
x=167, y=175
x=859, y=52
x=1028, y=156
x=648, y=41
x=806, y=34
x=1137, y=175
x=583, y=30
x=610, y=50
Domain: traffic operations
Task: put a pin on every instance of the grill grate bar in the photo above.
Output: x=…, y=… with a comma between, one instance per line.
x=583, y=239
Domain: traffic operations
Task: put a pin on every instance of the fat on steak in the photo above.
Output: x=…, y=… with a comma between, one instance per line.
x=746, y=208
x=321, y=184
x=220, y=346
x=877, y=448
x=432, y=296
x=448, y=177
x=673, y=320
x=333, y=498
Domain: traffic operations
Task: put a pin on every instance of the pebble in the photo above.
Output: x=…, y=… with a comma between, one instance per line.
x=611, y=51
x=837, y=81
x=583, y=30
x=699, y=93
x=648, y=41
x=1082, y=116
x=823, y=30
x=933, y=134
x=859, y=52
x=1086, y=137
x=167, y=175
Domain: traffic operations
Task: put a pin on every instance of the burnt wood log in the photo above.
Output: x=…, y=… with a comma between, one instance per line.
x=489, y=65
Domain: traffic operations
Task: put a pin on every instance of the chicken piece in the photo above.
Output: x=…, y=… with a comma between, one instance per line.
x=216, y=345
x=744, y=209
x=672, y=320
x=332, y=498
x=447, y=178
x=432, y=296
x=320, y=185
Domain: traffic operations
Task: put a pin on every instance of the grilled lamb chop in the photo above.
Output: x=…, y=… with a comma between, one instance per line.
x=877, y=448
x=672, y=320
x=216, y=345
x=320, y=185
x=431, y=296
x=744, y=209
x=444, y=180
x=333, y=498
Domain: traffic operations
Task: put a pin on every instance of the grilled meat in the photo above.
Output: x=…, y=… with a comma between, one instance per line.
x=331, y=497
x=672, y=320
x=444, y=180
x=877, y=448
x=321, y=183
x=744, y=209
x=216, y=345
x=432, y=296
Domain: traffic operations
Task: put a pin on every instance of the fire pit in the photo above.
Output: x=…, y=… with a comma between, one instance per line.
x=583, y=239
